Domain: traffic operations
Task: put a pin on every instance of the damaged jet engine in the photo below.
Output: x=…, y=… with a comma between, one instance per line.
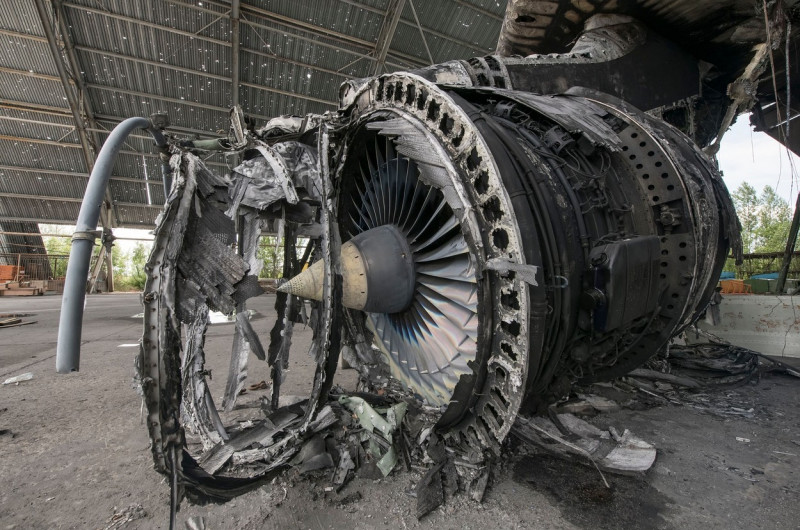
x=475, y=243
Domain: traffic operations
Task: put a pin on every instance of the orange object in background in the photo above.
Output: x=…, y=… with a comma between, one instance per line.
x=735, y=287
x=10, y=272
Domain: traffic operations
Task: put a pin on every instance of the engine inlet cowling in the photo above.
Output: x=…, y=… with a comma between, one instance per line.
x=555, y=239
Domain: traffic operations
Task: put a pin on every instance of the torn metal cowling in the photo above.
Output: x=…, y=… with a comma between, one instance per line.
x=554, y=239
x=194, y=267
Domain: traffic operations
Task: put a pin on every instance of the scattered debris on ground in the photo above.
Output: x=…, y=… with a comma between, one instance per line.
x=11, y=320
x=125, y=516
x=18, y=379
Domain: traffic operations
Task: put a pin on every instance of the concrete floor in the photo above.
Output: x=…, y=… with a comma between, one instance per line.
x=73, y=450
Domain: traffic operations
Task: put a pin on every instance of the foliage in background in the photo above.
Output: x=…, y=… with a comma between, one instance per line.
x=765, y=220
x=129, y=274
x=128, y=265
x=270, y=251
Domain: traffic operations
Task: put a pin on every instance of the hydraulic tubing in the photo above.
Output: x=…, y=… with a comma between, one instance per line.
x=68, y=350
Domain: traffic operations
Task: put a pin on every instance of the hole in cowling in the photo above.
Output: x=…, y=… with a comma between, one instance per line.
x=411, y=93
x=422, y=99
x=473, y=160
x=482, y=182
x=379, y=91
x=525, y=19
x=491, y=209
x=512, y=328
x=446, y=124
x=508, y=350
x=458, y=137
x=499, y=395
x=510, y=300
x=500, y=238
x=433, y=110
x=501, y=376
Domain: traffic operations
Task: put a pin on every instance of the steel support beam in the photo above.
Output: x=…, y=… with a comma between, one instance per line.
x=790, y=246
x=235, y=38
x=57, y=111
x=68, y=222
x=385, y=36
x=88, y=144
x=50, y=172
x=365, y=47
x=191, y=71
x=75, y=200
x=421, y=32
x=5, y=233
x=443, y=36
x=77, y=146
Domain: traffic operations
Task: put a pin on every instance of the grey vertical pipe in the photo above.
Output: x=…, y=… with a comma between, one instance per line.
x=72, y=303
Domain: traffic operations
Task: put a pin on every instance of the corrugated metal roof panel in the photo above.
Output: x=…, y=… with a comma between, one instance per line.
x=40, y=156
x=15, y=127
x=37, y=116
x=20, y=16
x=286, y=56
x=335, y=16
x=135, y=192
x=26, y=54
x=210, y=21
x=42, y=183
x=118, y=73
x=29, y=90
x=134, y=217
x=38, y=209
x=185, y=115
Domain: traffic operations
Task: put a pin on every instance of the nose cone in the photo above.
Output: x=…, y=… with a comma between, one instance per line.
x=377, y=273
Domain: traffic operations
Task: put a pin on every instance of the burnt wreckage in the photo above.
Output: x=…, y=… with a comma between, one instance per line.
x=483, y=234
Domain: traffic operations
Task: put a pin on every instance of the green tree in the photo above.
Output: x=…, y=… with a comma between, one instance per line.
x=138, y=259
x=270, y=252
x=774, y=220
x=120, y=260
x=745, y=199
x=765, y=221
x=57, y=248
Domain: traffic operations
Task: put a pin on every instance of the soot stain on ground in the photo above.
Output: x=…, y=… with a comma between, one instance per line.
x=585, y=501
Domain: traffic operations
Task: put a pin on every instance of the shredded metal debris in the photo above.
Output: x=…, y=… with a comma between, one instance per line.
x=475, y=243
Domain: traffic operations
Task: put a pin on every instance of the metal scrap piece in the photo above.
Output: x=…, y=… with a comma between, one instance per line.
x=199, y=412
x=244, y=338
x=526, y=273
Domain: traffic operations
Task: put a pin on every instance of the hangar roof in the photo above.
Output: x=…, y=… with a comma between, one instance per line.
x=126, y=58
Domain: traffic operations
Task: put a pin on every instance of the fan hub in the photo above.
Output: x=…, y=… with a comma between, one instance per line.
x=388, y=266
